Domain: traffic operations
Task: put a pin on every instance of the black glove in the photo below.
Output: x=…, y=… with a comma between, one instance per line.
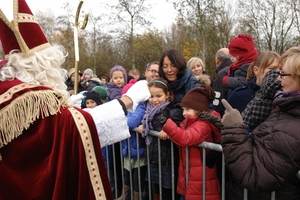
x=213, y=158
x=165, y=114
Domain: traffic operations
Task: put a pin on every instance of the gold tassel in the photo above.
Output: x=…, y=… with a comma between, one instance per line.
x=26, y=109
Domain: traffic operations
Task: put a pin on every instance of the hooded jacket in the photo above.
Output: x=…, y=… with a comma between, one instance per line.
x=193, y=131
x=204, y=79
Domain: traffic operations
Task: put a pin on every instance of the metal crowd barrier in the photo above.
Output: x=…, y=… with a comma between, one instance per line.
x=204, y=146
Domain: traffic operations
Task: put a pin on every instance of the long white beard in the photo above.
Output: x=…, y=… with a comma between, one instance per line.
x=43, y=68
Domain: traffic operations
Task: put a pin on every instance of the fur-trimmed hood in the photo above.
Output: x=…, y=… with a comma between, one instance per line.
x=214, y=123
x=204, y=79
x=208, y=116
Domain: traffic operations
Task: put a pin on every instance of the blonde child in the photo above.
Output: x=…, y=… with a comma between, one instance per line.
x=118, y=79
x=160, y=106
x=198, y=126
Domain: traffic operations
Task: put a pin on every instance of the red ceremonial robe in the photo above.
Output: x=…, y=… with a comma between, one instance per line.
x=57, y=157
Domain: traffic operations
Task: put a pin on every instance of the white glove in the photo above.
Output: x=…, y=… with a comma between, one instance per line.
x=76, y=99
x=138, y=92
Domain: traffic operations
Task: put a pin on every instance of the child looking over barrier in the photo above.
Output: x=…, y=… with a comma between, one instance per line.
x=161, y=106
x=199, y=125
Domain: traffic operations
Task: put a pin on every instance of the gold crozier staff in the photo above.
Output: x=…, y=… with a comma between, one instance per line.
x=81, y=25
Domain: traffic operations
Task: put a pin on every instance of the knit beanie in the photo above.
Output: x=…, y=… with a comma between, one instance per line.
x=119, y=68
x=199, y=98
x=94, y=96
x=71, y=72
x=128, y=85
x=89, y=72
x=101, y=90
x=241, y=45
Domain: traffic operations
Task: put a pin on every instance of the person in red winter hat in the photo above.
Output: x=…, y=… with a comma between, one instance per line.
x=243, y=52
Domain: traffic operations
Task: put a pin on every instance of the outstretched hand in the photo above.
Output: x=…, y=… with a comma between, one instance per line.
x=231, y=116
x=138, y=92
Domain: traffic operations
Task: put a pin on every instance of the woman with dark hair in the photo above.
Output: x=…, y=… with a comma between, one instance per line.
x=173, y=68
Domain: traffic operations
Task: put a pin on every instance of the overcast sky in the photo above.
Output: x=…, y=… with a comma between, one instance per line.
x=162, y=12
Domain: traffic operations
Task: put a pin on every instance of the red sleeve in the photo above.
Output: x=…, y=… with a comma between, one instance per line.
x=224, y=80
x=193, y=135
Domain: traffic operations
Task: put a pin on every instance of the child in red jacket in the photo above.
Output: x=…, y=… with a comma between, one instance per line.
x=199, y=125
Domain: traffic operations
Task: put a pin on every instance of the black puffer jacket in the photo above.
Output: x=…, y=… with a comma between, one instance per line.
x=270, y=159
x=174, y=112
x=70, y=85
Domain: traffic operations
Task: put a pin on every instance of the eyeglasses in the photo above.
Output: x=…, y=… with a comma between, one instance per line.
x=153, y=71
x=282, y=74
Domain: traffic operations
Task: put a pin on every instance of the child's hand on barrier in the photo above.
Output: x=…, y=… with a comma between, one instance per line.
x=163, y=135
x=140, y=129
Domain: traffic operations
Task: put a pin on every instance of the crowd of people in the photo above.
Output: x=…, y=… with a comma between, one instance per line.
x=183, y=95
x=51, y=138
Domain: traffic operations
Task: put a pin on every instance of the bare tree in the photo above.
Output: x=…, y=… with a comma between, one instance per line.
x=208, y=25
x=296, y=8
x=94, y=37
x=148, y=48
x=174, y=37
x=66, y=20
x=47, y=22
x=270, y=22
x=129, y=18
